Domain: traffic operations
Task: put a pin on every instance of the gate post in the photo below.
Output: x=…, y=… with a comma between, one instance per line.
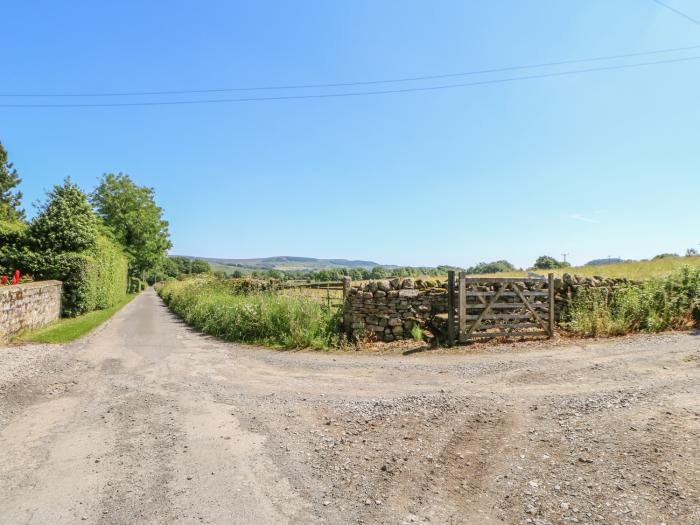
x=347, y=319
x=462, y=306
x=450, y=308
x=550, y=289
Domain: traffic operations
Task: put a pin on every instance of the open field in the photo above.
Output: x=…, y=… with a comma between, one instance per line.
x=638, y=270
x=148, y=421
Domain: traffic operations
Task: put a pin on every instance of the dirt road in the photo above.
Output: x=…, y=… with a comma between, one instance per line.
x=146, y=421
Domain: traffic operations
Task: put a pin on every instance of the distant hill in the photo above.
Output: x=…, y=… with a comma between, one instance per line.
x=288, y=263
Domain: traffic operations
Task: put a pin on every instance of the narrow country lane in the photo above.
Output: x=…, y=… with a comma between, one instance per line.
x=147, y=421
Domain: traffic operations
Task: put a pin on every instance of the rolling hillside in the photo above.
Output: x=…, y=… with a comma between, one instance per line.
x=286, y=263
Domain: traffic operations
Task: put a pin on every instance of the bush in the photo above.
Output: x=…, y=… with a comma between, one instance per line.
x=267, y=317
x=491, y=267
x=12, y=234
x=545, y=262
x=134, y=285
x=93, y=279
x=649, y=306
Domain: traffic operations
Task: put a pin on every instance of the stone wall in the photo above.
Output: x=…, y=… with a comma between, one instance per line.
x=568, y=285
x=388, y=310
x=27, y=306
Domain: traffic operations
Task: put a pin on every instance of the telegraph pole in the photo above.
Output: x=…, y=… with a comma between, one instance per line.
x=564, y=256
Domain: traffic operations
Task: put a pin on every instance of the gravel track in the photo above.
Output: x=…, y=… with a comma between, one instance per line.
x=147, y=421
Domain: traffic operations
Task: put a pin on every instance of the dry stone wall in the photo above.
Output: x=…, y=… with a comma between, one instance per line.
x=566, y=288
x=28, y=306
x=387, y=310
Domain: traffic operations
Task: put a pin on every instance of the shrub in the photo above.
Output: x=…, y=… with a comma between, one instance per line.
x=93, y=279
x=283, y=320
x=545, y=262
x=649, y=306
x=65, y=223
x=416, y=333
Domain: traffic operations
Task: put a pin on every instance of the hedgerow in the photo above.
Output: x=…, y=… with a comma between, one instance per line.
x=93, y=279
x=66, y=242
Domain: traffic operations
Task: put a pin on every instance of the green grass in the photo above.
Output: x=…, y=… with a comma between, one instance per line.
x=70, y=329
x=223, y=309
x=637, y=270
x=668, y=303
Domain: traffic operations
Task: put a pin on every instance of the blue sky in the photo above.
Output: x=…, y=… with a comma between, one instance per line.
x=596, y=164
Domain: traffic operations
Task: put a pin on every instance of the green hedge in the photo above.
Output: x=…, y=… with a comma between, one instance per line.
x=136, y=285
x=11, y=234
x=92, y=280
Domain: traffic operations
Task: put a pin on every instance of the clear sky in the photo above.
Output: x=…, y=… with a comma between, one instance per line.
x=593, y=164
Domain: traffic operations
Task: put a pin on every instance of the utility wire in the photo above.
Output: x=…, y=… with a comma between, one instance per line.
x=360, y=83
x=355, y=93
x=680, y=13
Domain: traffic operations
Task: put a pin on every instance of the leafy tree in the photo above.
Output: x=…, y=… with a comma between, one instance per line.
x=491, y=267
x=691, y=252
x=378, y=272
x=545, y=262
x=137, y=221
x=65, y=223
x=10, y=198
x=199, y=266
x=664, y=256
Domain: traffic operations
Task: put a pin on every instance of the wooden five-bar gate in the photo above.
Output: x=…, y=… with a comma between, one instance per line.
x=487, y=307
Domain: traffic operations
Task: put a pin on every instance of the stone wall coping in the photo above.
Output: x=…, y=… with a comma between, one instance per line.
x=33, y=284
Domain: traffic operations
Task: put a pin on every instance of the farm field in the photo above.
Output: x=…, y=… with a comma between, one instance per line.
x=637, y=270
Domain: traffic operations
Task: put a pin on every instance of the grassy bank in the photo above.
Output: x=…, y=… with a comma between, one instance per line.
x=224, y=310
x=70, y=329
x=654, y=305
x=637, y=270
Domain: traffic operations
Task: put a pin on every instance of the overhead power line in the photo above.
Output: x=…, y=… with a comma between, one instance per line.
x=355, y=93
x=363, y=82
x=678, y=12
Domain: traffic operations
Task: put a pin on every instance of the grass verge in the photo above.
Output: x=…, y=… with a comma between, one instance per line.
x=654, y=305
x=223, y=309
x=70, y=329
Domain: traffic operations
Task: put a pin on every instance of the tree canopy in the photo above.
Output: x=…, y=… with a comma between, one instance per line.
x=545, y=262
x=65, y=223
x=10, y=197
x=491, y=267
x=137, y=221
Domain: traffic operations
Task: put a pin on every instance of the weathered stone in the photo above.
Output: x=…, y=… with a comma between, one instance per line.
x=379, y=294
x=28, y=306
x=407, y=283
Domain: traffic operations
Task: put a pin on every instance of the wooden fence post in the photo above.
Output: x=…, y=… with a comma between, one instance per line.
x=347, y=321
x=462, y=306
x=550, y=284
x=450, y=308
